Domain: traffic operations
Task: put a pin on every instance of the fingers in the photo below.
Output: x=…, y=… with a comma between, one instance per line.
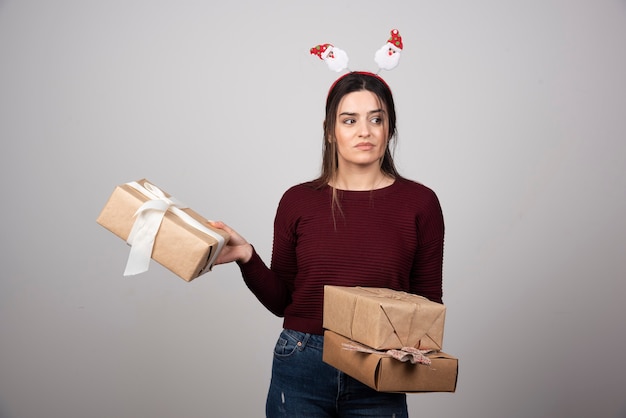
x=235, y=238
x=221, y=225
x=241, y=253
x=216, y=224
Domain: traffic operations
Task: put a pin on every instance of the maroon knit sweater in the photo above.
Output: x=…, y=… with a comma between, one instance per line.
x=390, y=237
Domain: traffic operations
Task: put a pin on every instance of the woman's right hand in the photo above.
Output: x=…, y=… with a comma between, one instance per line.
x=237, y=248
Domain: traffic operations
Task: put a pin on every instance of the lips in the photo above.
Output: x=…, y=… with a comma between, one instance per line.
x=364, y=146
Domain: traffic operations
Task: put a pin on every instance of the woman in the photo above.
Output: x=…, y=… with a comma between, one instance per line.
x=359, y=224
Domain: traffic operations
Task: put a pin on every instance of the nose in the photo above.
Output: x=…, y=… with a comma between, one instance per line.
x=364, y=129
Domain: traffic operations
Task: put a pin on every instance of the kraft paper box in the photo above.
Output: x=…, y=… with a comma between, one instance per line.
x=383, y=318
x=386, y=374
x=184, y=242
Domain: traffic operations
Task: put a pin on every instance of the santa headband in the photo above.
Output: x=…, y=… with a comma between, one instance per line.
x=387, y=56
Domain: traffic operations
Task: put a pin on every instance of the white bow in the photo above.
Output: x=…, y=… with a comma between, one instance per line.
x=149, y=217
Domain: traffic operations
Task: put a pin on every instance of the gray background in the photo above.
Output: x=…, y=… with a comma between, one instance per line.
x=513, y=111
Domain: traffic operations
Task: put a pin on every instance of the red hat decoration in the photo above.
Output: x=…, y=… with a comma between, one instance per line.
x=395, y=39
x=320, y=50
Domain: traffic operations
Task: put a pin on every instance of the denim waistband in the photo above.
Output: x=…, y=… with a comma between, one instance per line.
x=304, y=338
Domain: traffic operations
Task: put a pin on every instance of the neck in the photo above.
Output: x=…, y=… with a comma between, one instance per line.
x=361, y=181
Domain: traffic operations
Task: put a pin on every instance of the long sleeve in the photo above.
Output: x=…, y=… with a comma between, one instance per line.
x=427, y=271
x=273, y=286
x=265, y=284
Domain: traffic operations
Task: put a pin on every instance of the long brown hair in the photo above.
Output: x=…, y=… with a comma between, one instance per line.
x=349, y=83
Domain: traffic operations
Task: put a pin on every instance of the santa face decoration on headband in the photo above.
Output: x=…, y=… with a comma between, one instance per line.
x=388, y=56
x=337, y=59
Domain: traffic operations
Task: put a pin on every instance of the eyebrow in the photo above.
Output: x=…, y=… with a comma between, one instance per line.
x=355, y=113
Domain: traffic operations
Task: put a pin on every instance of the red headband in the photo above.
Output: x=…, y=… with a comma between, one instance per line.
x=366, y=73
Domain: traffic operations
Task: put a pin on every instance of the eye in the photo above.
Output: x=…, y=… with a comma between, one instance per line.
x=377, y=120
x=348, y=121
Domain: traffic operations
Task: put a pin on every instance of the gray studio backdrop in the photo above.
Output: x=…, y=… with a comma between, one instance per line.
x=513, y=111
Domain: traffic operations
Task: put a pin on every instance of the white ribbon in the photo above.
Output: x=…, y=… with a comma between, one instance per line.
x=149, y=217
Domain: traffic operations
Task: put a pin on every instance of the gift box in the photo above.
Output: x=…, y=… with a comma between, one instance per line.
x=383, y=318
x=159, y=227
x=382, y=372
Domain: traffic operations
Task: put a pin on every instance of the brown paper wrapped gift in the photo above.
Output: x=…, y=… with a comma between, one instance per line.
x=384, y=319
x=386, y=374
x=184, y=243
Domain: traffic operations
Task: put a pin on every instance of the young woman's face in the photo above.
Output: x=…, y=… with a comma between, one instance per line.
x=361, y=129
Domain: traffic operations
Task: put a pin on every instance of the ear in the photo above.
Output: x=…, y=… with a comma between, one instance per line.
x=329, y=139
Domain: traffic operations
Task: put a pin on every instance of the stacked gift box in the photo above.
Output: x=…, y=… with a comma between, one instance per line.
x=157, y=226
x=389, y=340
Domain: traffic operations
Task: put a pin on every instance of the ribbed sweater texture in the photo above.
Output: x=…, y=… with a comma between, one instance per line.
x=391, y=237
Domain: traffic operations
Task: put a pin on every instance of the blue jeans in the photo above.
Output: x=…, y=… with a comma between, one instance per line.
x=303, y=385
